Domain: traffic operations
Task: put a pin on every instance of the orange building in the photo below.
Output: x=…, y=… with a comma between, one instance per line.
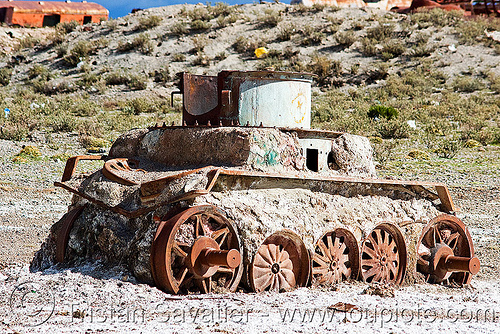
x=50, y=13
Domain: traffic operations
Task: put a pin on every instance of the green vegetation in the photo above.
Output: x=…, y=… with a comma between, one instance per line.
x=445, y=123
x=27, y=153
x=401, y=89
x=378, y=111
x=93, y=120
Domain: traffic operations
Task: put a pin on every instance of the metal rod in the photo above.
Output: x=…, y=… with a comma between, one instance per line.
x=229, y=258
x=462, y=264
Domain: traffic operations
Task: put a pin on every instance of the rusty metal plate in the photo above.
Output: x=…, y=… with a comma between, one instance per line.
x=200, y=93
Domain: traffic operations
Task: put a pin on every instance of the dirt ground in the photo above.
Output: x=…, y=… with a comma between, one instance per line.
x=92, y=299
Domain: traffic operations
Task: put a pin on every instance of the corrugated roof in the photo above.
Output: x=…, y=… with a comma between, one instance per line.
x=55, y=7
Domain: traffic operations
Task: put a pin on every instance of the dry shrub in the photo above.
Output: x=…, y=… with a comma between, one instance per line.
x=345, y=38
x=325, y=68
x=179, y=28
x=5, y=75
x=199, y=25
x=149, y=22
x=81, y=51
x=380, y=32
x=271, y=18
x=393, y=128
x=141, y=43
x=467, y=84
x=311, y=36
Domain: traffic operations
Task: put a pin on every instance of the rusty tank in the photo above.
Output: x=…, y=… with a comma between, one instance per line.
x=245, y=195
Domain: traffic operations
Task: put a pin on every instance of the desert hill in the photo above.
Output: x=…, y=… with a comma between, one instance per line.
x=433, y=67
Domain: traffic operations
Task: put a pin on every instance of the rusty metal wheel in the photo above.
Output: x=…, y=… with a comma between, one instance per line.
x=280, y=264
x=383, y=255
x=198, y=250
x=335, y=258
x=445, y=236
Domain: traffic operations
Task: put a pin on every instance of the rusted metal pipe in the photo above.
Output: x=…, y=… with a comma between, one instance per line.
x=177, y=92
x=462, y=264
x=120, y=164
x=213, y=257
x=63, y=235
x=72, y=162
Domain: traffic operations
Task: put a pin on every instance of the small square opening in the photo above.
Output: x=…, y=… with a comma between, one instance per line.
x=312, y=159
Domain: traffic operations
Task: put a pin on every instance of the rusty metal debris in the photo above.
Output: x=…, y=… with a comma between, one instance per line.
x=281, y=263
x=476, y=7
x=72, y=163
x=151, y=189
x=67, y=222
x=488, y=7
x=120, y=164
x=228, y=98
x=228, y=177
x=343, y=307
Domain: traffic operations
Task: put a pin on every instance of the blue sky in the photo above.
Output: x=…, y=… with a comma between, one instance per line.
x=122, y=8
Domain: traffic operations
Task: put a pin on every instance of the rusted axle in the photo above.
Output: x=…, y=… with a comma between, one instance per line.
x=462, y=264
x=444, y=263
x=206, y=257
x=213, y=257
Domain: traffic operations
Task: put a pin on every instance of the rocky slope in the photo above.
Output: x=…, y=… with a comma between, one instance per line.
x=159, y=42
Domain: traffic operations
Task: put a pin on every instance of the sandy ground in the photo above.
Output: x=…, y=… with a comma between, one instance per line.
x=90, y=299
x=74, y=302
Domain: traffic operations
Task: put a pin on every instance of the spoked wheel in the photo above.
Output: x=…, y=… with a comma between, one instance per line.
x=197, y=250
x=383, y=255
x=445, y=251
x=335, y=258
x=280, y=264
